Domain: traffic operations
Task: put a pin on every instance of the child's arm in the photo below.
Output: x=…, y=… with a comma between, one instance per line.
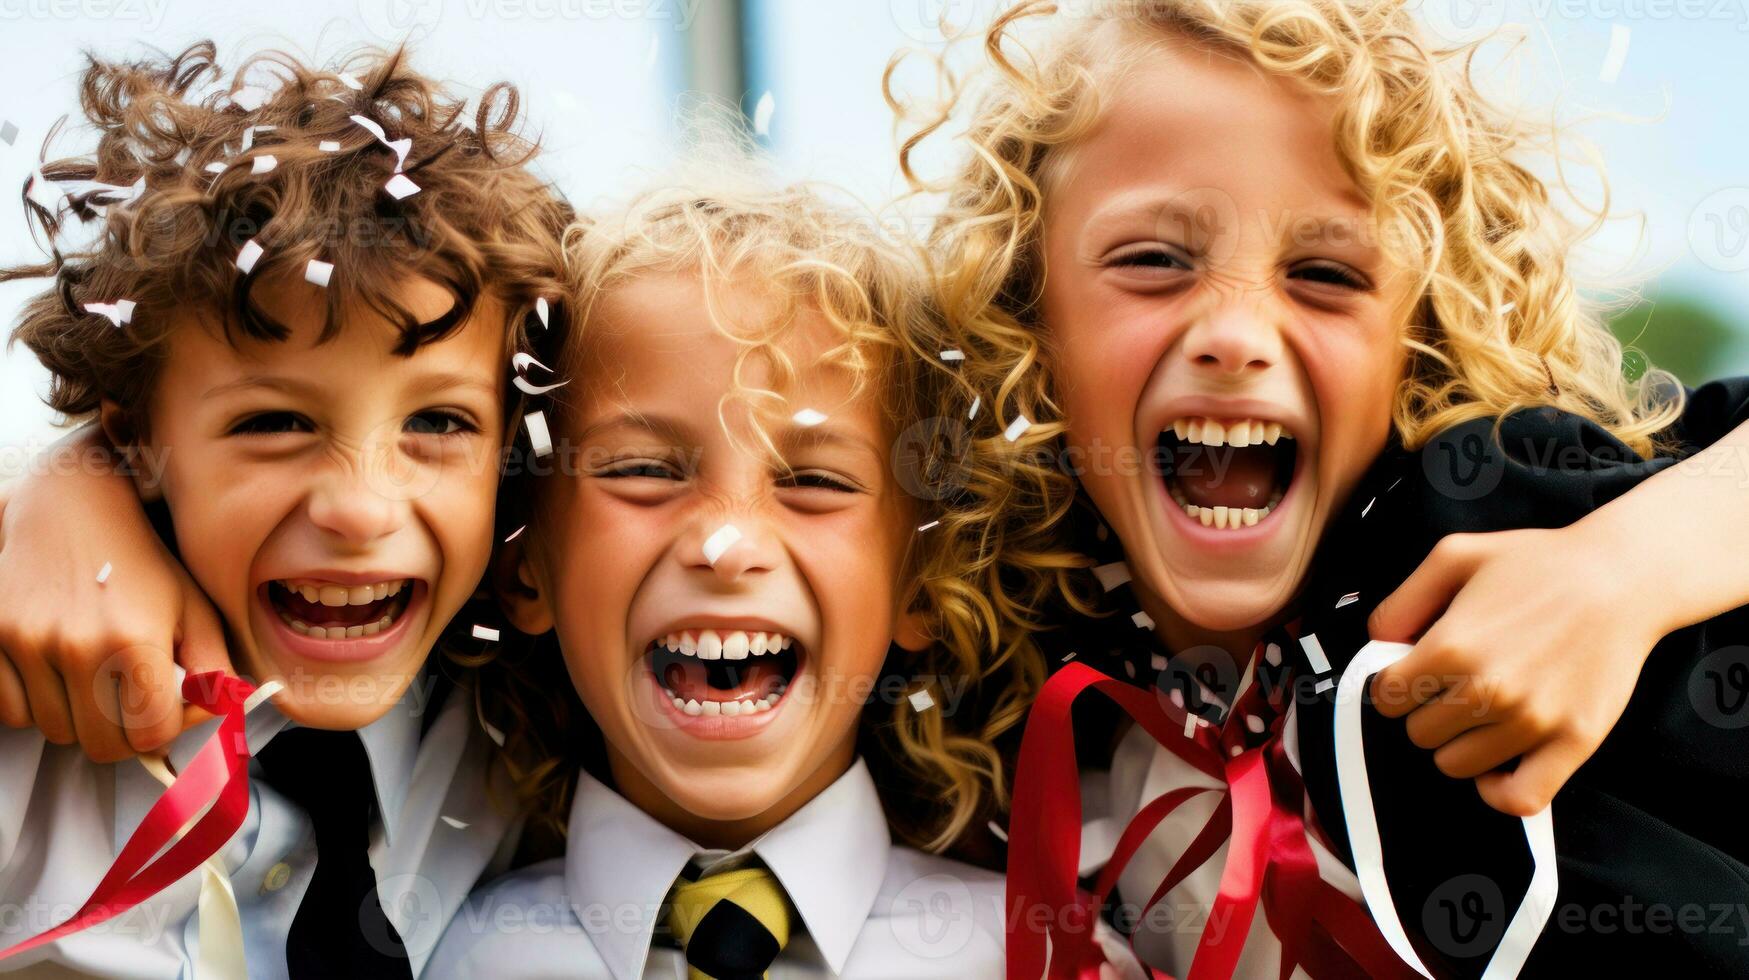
x=89, y=661
x=1547, y=679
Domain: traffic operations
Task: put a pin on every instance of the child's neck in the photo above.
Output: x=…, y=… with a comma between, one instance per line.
x=727, y=835
x=1177, y=634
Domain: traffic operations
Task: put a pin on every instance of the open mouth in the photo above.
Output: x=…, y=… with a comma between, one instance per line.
x=1228, y=473
x=326, y=611
x=727, y=673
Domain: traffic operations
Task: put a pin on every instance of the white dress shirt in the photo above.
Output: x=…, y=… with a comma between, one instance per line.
x=867, y=908
x=64, y=819
x=1141, y=771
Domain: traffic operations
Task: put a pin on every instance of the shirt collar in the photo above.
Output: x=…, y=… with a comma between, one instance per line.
x=391, y=746
x=830, y=856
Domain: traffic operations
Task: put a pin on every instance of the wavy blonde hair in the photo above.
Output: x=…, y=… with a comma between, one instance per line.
x=975, y=573
x=1500, y=324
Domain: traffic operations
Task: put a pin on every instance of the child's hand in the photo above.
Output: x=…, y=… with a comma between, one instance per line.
x=87, y=661
x=1539, y=640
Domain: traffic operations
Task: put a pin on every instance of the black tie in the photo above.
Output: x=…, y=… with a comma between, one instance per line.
x=339, y=929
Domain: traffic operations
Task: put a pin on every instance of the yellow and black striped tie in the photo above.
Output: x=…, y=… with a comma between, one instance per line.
x=731, y=925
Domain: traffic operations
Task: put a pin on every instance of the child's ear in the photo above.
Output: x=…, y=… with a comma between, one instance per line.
x=911, y=632
x=519, y=591
x=125, y=442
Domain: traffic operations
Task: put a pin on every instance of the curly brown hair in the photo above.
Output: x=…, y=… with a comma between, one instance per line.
x=188, y=171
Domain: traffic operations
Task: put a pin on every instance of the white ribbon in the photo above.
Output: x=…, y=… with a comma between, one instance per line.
x=1363, y=833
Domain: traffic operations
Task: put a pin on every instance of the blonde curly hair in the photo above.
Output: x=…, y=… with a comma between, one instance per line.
x=976, y=574
x=1500, y=324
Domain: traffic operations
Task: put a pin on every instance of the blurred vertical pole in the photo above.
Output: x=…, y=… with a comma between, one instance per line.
x=716, y=57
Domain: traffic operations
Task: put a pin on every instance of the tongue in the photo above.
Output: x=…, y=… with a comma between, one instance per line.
x=1228, y=477
x=690, y=679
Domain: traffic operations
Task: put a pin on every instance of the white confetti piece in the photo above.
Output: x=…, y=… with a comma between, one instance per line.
x=267, y=690
x=953, y=355
x=249, y=98
x=1235, y=750
x=1272, y=653
x=930, y=526
x=543, y=310
x=1254, y=723
x=920, y=701
x=1143, y=621
x=1394, y=485
x=516, y=534
x=119, y=312
x=1619, y=36
x=996, y=829
x=1157, y=662
x=492, y=732
x=263, y=164
x=1348, y=600
x=8, y=133
x=1190, y=723
x=329, y=146
x=248, y=256
x=486, y=633
x=1323, y=685
x=249, y=135
x=719, y=543
x=762, y=114
x=1017, y=428
x=539, y=437
x=347, y=79
x=809, y=417
x=453, y=822
x=1368, y=508
x=318, y=273
x=1129, y=669
x=1071, y=655
x=976, y=402
x=103, y=573
x=1315, y=653
x=1113, y=575
x=215, y=167
x=1177, y=698
x=182, y=156
x=520, y=363
x=401, y=188
x=370, y=126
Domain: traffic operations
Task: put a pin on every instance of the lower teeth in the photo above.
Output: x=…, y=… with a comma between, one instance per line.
x=1226, y=518
x=727, y=709
x=339, y=632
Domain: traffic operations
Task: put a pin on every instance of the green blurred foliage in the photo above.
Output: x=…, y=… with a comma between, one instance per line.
x=1685, y=335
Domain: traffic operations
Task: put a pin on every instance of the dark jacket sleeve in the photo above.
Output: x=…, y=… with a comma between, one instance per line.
x=1645, y=847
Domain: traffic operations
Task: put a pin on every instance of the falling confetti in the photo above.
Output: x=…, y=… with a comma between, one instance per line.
x=103, y=573
x=1368, y=508
x=400, y=187
x=996, y=829
x=1348, y=600
x=929, y=526
x=516, y=534
x=1143, y=621
x=1017, y=428
x=486, y=633
x=349, y=81
x=264, y=164
x=1157, y=662
x=215, y=167
x=809, y=417
x=318, y=273
x=248, y=256
x=119, y=312
x=492, y=732
x=520, y=363
x=1272, y=653
x=1071, y=655
x=542, y=310
x=953, y=355
x=979, y=400
x=762, y=114
x=249, y=135
x=1619, y=36
x=8, y=133
x=457, y=824
x=539, y=437
x=1323, y=685
x=329, y=146
x=1315, y=653
x=719, y=543
x=1113, y=575
x=921, y=701
x=1190, y=723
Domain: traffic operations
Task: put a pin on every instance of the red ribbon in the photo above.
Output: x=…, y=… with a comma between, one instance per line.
x=1269, y=860
x=218, y=773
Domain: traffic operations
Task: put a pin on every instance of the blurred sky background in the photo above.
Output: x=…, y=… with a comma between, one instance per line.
x=1667, y=79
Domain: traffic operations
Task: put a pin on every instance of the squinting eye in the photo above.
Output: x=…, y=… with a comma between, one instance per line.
x=648, y=469
x=1330, y=274
x=437, y=423
x=1150, y=258
x=271, y=423
x=818, y=481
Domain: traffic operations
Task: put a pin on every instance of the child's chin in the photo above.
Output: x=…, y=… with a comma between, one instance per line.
x=1234, y=602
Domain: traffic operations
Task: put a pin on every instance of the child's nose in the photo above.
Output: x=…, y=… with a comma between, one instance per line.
x=346, y=504
x=731, y=548
x=1236, y=336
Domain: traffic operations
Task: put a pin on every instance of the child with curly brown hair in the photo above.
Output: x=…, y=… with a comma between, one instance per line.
x=302, y=305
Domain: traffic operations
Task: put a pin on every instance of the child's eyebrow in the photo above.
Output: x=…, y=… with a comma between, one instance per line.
x=432, y=382
x=812, y=437
x=666, y=429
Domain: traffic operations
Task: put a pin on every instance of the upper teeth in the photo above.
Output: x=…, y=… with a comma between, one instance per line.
x=328, y=594
x=1229, y=432
x=724, y=645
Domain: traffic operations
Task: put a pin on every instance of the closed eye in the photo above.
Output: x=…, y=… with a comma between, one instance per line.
x=1326, y=273
x=816, y=480
x=1149, y=257
x=648, y=469
x=271, y=423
